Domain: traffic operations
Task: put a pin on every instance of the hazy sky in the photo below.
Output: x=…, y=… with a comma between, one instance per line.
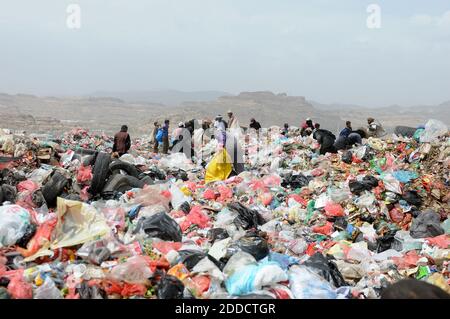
x=320, y=49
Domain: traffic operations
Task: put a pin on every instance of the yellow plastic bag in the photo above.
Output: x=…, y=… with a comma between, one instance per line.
x=219, y=168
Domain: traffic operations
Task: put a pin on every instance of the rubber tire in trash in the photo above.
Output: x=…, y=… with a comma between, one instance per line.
x=53, y=188
x=405, y=131
x=100, y=173
x=122, y=183
x=124, y=166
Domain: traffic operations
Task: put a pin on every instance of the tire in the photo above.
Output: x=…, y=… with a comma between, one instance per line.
x=100, y=173
x=405, y=131
x=127, y=167
x=122, y=183
x=53, y=188
x=1, y=196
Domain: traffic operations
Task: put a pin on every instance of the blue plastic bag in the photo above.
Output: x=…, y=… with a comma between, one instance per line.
x=159, y=135
x=404, y=176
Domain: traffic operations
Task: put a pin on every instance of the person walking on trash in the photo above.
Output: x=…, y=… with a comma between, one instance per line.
x=165, y=136
x=220, y=127
x=153, y=138
x=375, y=129
x=122, y=141
x=347, y=137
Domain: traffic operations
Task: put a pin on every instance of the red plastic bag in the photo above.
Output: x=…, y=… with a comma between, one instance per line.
x=298, y=199
x=409, y=260
x=27, y=185
x=327, y=229
x=18, y=288
x=209, y=194
x=442, y=241
x=197, y=217
x=84, y=174
x=165, y=246
x=201, y=283
x=396, y=215
x=266, y=198
x=133, y=290
x=225, y=193
x=41, y=236
x=272, y=181
x=334, y=210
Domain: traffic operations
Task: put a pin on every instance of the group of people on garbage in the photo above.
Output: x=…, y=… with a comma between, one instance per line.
x=288, y=213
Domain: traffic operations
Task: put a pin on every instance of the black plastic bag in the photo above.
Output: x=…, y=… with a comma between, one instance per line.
x=170, y=287
x=427, y=224
x=327, y=269
x=160, y=225
x=247, y=218
x=412, y=198
x=217, y=234
x=29, y=233
x=347, y=157
x=87, y=292
x=4, y=282
x=296, y=181
x=370, y=182
x=356, y=187
x=190, y=258
x=185, y=207
x=384, y=243
x=254, y=245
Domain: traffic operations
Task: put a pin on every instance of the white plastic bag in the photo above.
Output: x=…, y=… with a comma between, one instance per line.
x=178, y=197
x=48, y=290
x=433, y=130
x=305, y=284
x=14, y=221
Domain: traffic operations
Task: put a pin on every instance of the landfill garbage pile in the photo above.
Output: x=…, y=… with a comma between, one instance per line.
x=80, y=224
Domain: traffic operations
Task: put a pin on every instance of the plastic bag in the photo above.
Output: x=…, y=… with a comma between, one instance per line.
x=247, y=218
x=252, y=278
x=14, y=222
x=84, y=174
x=18, y=288
x=27, y=185
x=178, y=197
x=391, y=184
x=196, y=217
x=149, y=196
x=433, y=130
x=334, y=210
x=305, y=284
x=254, y=245
x=170, y=287
x=41, y=238
x=77, y=223
x=219, y=168
x=404, y=176
x=427, y=224
x=135, y=270
x=48, y=290
x=326, y=268
x=176, y=161
x=159, y=225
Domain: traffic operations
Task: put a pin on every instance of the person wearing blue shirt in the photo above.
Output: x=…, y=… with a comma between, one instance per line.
x=347, y=130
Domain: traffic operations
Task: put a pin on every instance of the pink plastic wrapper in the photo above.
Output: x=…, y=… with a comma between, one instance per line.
x=334, y=210
x=27, y=185
x=84, y=174
x=197, y=217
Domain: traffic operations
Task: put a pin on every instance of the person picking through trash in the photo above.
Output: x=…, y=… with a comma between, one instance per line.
x=347, y=130
x=285, y=129
x=325, y=139
x=375, y=129
x=254, y=125
x=307, y=127
x=122, y=141
x=165, y=136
